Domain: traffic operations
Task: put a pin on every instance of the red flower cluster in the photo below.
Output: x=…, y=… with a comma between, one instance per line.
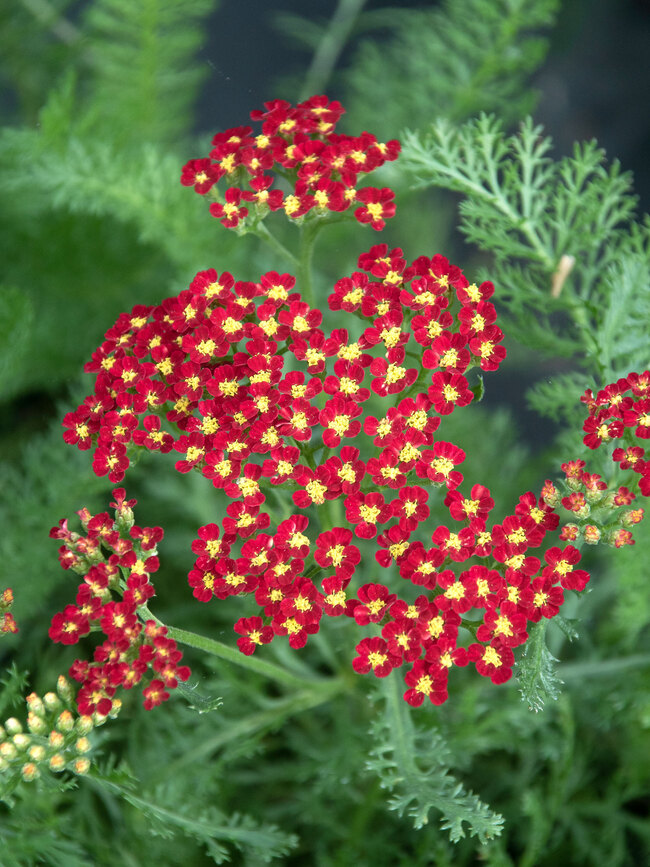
x=622, y=410
x=115, y=557
x=298, y=144
x=180, y=370
x=600, y=513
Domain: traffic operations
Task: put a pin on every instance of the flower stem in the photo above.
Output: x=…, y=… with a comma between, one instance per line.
x=330, y=47
x=262, y=232
x=308, y=234
x=230, y=654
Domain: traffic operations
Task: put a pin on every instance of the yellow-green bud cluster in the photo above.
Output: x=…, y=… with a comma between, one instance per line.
x=53, y=739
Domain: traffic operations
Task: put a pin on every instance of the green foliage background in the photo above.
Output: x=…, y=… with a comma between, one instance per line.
x=333, y=770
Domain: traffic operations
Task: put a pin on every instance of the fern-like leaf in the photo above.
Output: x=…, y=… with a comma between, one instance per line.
x=143, y=76
x=536, y=670
x=168, y=814
x=413, y=765
x=468, y=56
x=558, y=231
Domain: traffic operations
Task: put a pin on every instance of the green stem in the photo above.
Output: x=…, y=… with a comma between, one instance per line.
x=230, y=654
x=330, y=47
x=308, y=233
x=262, y=232
x=605, y=667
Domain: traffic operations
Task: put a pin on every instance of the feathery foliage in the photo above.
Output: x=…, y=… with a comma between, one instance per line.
x=536, y=670
x=412, y=764
x=143, y=69
x=567, y=253
x=466, y=57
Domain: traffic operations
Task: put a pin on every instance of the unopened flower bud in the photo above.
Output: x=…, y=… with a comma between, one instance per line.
x=36, y=724
x=51, y=701
x=57, y=762
x=35, y=704
x=84, y=725
x=82, y=745
x=592, y=534
x=8, y=750
x=64, y=689
x=620, y=538
x=8, y=624
x=81, y=766
x=29, y=772
x=21, y=741
x=569, y=533
x=56, y=740
x=633, y=516
x=550, y=494
x=37, y=752
x=13, y=726
x=65, y=721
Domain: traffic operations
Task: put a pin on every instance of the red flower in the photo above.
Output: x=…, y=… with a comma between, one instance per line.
x=230, y=212
x=547, y=599
x=201, y=174
x=69, y=626
x=333, y=550
x=378, y=206
x=410, y=507
x=298, y=629
x=154, y=694
x=492, y=661
x=457, y=546
x=336, y=419
x=437, y=464
x=365, y=511
x=505, y=627
x=487, y=349
x=447, y=391
x=560, y=568
x=253, y=632
x=449, y=352
x=334, y=598
x=425, y=682
x=111, y=460
x=375, y=599
x=476, y=507
x=373, y=655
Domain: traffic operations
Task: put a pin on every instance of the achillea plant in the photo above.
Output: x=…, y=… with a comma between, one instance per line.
x=324, y=445
x=242, y=381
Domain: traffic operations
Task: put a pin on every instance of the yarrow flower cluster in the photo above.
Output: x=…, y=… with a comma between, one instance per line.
x=55, y=739
x=116, y=559
x=622, y=410
x=241, y=380
x=317, y=168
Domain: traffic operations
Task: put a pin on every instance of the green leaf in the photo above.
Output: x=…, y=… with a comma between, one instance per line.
x=413, y=765
x=536, y=670
x=143, y=76
x=167, y=815
x=560, y=233
x=466, y=57
x=197, y=701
